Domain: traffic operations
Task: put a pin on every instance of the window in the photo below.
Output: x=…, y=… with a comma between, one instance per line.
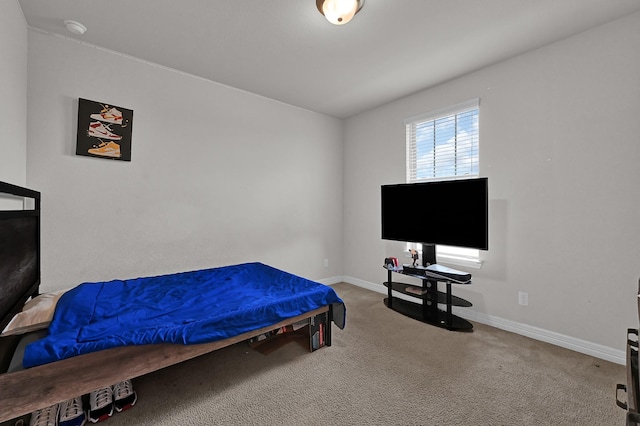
x=444, y=145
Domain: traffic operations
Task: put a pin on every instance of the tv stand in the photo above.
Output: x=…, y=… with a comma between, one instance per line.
x=426, y=310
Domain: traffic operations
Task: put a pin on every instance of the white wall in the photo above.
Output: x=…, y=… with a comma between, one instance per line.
x=13, y=93
x=218, y=176
x=559, y=142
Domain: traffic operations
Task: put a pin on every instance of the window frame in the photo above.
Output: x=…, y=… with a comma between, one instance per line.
x=454, y=255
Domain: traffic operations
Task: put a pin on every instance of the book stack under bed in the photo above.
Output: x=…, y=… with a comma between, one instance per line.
x=311, y=334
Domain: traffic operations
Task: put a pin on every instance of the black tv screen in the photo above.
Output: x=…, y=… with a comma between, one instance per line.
x=452, y=213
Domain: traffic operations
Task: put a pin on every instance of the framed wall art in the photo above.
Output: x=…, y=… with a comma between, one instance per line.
x=104, y=130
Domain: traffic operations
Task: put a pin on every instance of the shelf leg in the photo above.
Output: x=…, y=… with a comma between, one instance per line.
x=425, y=299
x=389, y=296
x=449, y=303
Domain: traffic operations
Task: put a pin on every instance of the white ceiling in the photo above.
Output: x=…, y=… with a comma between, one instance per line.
x=286, y=50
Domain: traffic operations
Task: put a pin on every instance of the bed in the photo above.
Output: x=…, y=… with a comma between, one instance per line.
x=231, y=304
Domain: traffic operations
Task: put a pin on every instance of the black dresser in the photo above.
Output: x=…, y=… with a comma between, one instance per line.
x=631, y=402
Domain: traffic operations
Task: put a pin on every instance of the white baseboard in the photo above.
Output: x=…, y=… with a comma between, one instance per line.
x=330, y=280
x=568, y=342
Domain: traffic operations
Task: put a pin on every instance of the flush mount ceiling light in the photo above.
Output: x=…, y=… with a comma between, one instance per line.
x=75, y=27
x=339, y=12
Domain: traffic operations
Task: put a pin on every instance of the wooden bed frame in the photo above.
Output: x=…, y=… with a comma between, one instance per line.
x=25, y=391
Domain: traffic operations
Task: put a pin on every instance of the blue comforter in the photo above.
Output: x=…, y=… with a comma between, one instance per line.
x=187, y=308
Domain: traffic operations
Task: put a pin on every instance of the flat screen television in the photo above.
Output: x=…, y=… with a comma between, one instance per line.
x=452, y=213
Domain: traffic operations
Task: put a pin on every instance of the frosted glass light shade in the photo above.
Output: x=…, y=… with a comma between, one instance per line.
x=339, y=12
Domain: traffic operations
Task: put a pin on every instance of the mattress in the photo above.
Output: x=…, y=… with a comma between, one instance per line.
x=184, y=308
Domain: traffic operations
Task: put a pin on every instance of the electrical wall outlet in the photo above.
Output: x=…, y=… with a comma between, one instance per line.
x=523, y=298
x=326, y=263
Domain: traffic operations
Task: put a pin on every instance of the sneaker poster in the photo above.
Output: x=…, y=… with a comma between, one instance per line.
x=104, y=130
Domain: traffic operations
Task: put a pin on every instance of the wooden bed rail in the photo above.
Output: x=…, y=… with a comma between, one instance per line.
x=25, y=391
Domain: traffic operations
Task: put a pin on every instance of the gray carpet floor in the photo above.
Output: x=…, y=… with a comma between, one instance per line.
x=385, y=369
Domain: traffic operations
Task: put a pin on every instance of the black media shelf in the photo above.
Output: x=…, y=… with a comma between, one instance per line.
x=427, y=296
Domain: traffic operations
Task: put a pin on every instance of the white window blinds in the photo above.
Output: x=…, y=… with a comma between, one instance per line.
x=443, y=144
